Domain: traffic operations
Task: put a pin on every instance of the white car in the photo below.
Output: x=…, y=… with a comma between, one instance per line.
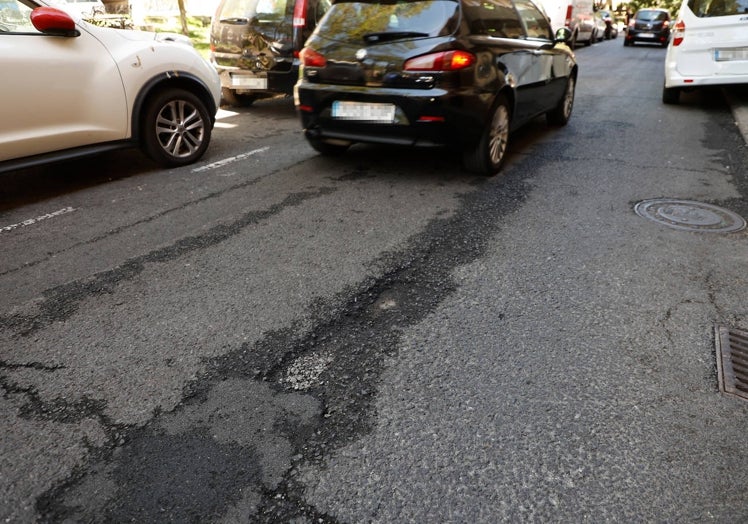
x=70, y=89
x=708, y=46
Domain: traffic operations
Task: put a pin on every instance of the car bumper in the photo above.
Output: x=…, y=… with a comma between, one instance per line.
x=246, y=82
x=428, y=117
x=675, y=79
x=647, y=36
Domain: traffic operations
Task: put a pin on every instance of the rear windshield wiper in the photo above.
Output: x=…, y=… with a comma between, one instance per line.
x=386, y=36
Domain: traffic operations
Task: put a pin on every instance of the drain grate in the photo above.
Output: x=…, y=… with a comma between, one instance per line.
x=732, y=361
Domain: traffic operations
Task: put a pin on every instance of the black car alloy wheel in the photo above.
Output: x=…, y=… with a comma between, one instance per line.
x=560, y=115
x=488, y=155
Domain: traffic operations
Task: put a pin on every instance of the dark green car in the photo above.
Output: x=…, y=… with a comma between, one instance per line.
x=255, y=45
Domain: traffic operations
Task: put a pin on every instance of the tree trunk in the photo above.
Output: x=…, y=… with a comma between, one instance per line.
x=183, y=18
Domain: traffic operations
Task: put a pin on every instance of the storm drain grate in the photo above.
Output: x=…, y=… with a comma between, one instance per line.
x=732, y=361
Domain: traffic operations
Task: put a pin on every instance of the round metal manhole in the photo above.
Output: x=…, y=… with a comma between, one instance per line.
x=690, y=216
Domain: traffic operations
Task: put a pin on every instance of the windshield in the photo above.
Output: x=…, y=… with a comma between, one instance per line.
x=387, y=21
x=705, y=8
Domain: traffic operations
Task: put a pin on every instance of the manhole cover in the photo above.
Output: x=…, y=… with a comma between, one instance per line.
x=690, y=216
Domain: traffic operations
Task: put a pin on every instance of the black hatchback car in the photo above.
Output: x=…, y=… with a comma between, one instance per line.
x=649, y=25
x=455, y=73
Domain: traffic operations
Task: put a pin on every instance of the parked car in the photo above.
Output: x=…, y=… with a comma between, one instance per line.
x=649, y=25
x=71, y=88
x=577, y=15
x=433, y=72
x=600, y=28
x=709, y=46
x=611, y=26
x=255, y=45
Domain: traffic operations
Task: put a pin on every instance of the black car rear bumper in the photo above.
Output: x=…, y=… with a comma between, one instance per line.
x=654, y=37
x=428, y=117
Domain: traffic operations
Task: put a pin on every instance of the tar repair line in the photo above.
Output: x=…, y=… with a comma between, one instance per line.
x=230, y=160
x=32, y=221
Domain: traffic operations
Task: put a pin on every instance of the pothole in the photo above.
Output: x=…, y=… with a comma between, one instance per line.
x=688, y=215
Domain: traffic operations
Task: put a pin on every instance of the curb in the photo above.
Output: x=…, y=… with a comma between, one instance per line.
x=738, y=102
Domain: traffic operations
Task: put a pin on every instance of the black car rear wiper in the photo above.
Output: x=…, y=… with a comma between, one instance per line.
x=386, y=36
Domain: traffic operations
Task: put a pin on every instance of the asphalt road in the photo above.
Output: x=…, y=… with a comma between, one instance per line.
x=274, y=336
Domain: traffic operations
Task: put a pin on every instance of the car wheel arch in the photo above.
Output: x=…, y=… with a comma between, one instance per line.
x=177, y=79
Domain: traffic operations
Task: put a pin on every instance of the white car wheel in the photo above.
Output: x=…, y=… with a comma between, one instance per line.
x=176, y=127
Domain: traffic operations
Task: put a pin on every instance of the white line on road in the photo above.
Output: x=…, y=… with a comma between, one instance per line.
x=32, y=221
x=230, y=160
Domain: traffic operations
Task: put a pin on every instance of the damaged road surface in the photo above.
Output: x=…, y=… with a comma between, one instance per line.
x=381, y=337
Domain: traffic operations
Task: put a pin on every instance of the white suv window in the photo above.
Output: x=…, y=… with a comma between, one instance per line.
x=708, y=8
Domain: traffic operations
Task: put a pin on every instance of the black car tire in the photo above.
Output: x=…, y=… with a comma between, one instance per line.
x=670, y=95
x=488, y=155
x=326, y=148
x=176, y=127
x=235, y=99
x=559, y=115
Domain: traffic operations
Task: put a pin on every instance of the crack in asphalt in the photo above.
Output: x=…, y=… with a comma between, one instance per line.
x=61, y=302
x=352, y=335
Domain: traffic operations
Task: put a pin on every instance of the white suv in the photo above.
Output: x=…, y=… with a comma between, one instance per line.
x=71, y=88
x=708, y=46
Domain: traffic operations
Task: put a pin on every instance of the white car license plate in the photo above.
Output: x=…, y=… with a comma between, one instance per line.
x=369, y=112
x=726, y=55
x=249, y=82
x=646, y=35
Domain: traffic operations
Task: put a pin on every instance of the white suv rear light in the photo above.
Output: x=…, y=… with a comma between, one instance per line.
x=679, y=32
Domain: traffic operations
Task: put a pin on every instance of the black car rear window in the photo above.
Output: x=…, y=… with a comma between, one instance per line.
x=494, y=18
x=362, y=21
x=651, y=16
x=706, y=8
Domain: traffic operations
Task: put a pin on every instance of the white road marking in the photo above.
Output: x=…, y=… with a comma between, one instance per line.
x=229, y=160
x=32, y=221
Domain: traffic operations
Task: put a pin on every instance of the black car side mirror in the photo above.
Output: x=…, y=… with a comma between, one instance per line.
x=563, y=35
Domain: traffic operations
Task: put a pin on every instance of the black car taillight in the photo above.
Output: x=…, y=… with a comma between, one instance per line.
x=443, y=61
x=311, y=58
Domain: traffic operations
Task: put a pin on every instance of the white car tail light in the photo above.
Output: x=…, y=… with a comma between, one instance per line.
x=679, y=32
